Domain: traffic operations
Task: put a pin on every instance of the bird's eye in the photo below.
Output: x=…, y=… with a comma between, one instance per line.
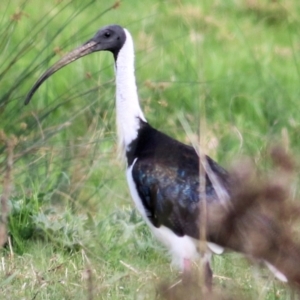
x=107, y=34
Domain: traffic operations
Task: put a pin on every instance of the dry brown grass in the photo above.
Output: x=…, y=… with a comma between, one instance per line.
x=9, y=144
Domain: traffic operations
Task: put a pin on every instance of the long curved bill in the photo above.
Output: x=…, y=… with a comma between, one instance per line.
x=81, y=51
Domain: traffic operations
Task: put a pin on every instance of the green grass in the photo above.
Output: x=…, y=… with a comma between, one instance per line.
x=233, y=64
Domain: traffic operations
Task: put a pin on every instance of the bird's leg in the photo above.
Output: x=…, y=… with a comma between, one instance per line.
x=187, y=266
x=208, y=275
x=187, y=272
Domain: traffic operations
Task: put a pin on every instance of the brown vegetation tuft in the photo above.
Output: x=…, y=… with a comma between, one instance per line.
x=260, y=222
x=9, y=143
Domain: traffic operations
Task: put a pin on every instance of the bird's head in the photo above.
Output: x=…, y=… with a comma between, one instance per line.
x=109, y=38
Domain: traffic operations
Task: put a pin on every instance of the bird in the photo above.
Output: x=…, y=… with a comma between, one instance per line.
x=162, y=173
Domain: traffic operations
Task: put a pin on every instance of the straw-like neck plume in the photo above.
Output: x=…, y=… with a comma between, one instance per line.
x=129, y=112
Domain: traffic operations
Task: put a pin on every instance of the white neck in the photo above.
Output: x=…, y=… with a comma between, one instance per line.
x=127, y=103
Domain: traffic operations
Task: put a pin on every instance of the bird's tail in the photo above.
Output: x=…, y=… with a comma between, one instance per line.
x=279, y=275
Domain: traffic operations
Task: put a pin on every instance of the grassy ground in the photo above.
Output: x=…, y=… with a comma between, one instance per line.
x=231, y=64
